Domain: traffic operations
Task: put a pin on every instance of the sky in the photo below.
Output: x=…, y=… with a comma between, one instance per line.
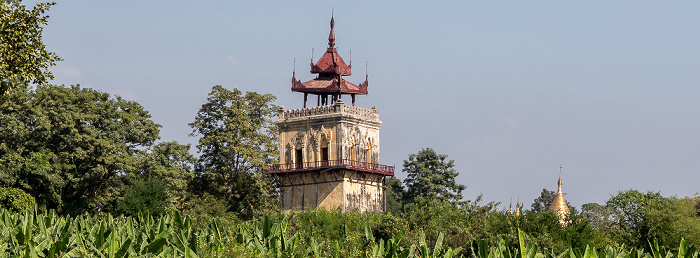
x=509, y=90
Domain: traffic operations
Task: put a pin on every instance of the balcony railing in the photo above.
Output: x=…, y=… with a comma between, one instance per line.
x=359, y=165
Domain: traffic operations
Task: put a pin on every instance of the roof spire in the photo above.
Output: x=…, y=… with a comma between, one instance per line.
x=331, y=36
x=559, y=182
x=511, y=205
x=559, y=205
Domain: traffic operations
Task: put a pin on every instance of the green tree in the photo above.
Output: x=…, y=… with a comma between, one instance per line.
x=70, y=147
x=238, y=138
x=671, y=219
x=23, y=55
x=599, y=216
x=16, y=199
x=394, y=196
x=171, y=164
x=630, y=209
x=544, y=201
x=144, y=196
x=430, y=175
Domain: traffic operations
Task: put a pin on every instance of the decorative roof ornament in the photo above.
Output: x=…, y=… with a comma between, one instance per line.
x=510, y=210
x=329, y=83
x=331, y=36
x=559, y=206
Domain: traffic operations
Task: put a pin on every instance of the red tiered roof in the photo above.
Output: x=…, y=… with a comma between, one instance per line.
x=330, y=69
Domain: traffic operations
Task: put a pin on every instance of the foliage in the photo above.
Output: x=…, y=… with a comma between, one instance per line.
x=203, y=208
x=71, y=147
x=394, y=196
x=544, y=201
x=144, y=196
x=170, y=163
x=543, y=229
x=36, y=234
x=672, y=219
x=15, y=199
x=429, y=175
x=23, y=55
x=634, y=218
x=630, y=208
x=238, y=138
x=600, y=216
x=33, y=234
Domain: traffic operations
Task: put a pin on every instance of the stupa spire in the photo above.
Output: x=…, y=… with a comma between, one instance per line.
x=331, y=36
x=559, y=206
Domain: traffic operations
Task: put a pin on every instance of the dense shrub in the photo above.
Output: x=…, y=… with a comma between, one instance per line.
x=16, y=199
x=144, y=196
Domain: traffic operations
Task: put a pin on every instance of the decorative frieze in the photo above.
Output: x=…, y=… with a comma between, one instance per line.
x=337, y=108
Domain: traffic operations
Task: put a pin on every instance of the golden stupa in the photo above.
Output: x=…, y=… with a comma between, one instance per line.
x=559, y=206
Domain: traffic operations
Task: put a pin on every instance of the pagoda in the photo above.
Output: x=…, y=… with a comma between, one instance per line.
x=329, y=154
x=559, y=206
x=330, y=69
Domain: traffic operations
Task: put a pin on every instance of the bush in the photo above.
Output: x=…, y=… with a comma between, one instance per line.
x=147, y=197
x=203, y=208
x=16, y=199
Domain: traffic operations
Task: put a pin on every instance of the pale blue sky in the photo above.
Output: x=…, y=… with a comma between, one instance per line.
x=508, y=89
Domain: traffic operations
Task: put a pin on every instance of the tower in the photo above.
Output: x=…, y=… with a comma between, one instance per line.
x=559, y=206
x=329, y=154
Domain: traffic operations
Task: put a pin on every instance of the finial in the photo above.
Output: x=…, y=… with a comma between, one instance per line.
x=312, y=55
x=331, y=36
x=559, y=182
x=511, y=205
x=366, y=74
x=294, y=71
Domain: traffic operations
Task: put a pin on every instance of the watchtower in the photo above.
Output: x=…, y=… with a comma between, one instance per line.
x=329, y=154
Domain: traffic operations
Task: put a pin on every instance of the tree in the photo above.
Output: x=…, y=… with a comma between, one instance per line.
x=144, y=196
x=599, y=216
x=431, y=176
x=671, y=219
x=394, y=196
x=171, y=164
x=630, y=209
x=23, y=55
x=16, y=199
x=544, y=201
x=70, y=147
x=238, y=138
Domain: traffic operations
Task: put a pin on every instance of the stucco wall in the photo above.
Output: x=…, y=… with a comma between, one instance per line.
x=349, y=133
x=332, y=189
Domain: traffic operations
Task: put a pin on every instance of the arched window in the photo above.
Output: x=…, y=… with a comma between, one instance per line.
x=299, y=158
x=368, y=155
x=324, y=152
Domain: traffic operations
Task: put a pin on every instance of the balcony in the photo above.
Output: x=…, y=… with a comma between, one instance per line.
x=343, y=163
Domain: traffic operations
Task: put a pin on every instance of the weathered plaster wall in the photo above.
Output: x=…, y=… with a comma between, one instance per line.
x=363, y=192
x=349, y=132
x=340, y=188
x=309, y=190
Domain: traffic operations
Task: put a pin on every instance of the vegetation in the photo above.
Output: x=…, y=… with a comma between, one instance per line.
x=15, y=199
x=431, y=175
x=23, y=55
x=314, y=233
x=82, y=174
x=238, y=138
